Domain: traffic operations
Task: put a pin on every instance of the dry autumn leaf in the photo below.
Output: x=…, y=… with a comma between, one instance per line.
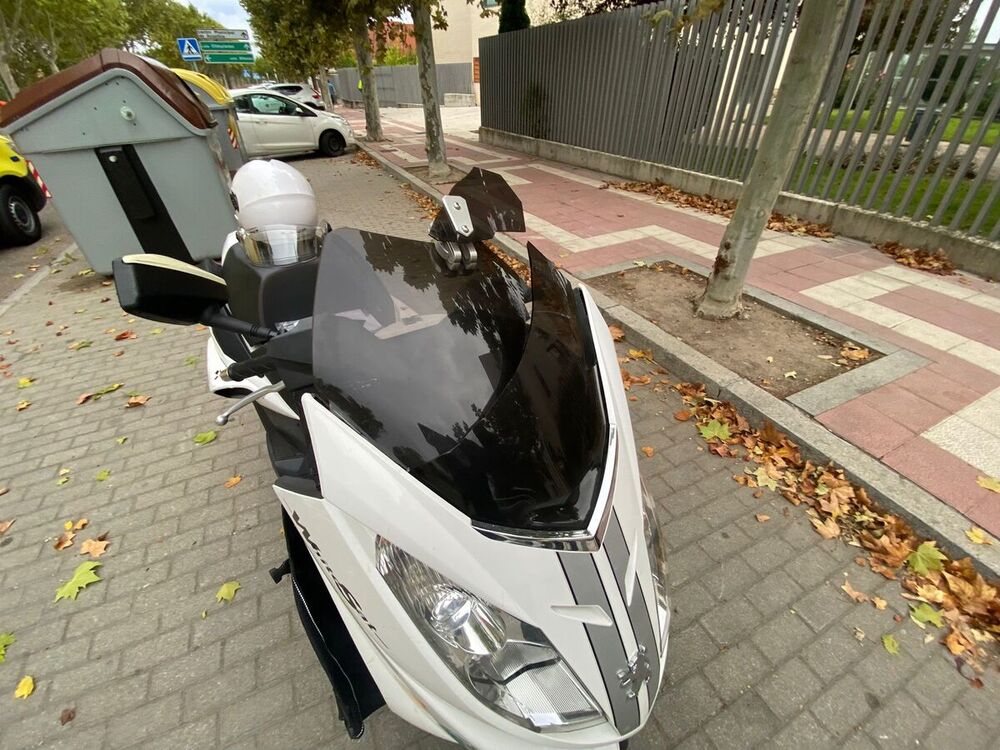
x=854, y=352
x=617, y=333
x=25, y=687
x=762, y=517
x=135, y=401
x=95, y=547
x=978, y=536
x=227, y=591
x=22, y=405
x=65, y=540
x=683, y=415
x=67, y=715
x=4, y=525
x=858, y=597
x=879, y=603
x=827, y=528
x=648, y=451
x=233, y=481
x=989, y=483
x=81, y=524
x=125, y=335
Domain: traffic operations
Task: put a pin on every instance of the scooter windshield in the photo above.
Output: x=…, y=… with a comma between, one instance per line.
x=444, y=374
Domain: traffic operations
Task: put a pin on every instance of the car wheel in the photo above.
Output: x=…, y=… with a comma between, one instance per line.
x=19, y=222
x=332, y=143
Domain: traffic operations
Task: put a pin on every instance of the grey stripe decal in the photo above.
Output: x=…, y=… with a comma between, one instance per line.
x=585, y=582
x=642, y=626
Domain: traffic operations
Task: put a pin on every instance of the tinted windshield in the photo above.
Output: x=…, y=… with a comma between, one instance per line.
x=443, y=374
x=408, y=352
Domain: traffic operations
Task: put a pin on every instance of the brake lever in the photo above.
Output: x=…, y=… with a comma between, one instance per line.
x=224, y=418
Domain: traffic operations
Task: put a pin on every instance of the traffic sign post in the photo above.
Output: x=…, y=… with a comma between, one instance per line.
x=189, y=48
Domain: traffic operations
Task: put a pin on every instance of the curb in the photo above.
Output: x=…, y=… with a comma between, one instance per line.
x=929, y=516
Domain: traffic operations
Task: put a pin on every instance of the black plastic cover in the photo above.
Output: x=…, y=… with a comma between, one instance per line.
x=493, y=207
x=443, y=373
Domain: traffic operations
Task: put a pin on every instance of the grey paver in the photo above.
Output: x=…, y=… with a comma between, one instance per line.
x=143, y=669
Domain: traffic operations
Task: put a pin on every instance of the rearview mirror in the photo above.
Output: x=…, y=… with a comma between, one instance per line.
x=157, y=287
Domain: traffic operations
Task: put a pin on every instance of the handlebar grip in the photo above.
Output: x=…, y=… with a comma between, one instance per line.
x=250, y=368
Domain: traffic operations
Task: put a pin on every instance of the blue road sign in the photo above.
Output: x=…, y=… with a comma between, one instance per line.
x=189, y=48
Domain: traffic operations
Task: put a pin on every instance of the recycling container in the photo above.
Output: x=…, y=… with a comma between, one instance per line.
x=218, y=101
x=131, y=154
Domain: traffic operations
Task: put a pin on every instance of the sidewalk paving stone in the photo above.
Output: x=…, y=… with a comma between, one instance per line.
x=143, y=669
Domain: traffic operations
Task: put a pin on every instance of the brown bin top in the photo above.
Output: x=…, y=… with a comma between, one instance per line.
x=163, y=81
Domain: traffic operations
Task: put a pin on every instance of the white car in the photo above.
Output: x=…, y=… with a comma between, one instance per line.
x=300, y=92
x=274, y=125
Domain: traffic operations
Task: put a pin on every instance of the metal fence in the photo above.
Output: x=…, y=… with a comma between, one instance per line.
x=399, y=85
x=907, y=123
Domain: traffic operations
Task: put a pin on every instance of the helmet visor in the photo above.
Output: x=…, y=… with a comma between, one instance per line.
x=281, y=244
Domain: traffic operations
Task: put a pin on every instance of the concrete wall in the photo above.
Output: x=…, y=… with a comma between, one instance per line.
x=970, y=254
x=459, y=43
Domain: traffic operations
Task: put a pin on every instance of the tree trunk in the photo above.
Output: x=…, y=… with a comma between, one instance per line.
x=7, y=76
x=324, y=89
x=810, y=57
x=437, y=162
x=369, y=92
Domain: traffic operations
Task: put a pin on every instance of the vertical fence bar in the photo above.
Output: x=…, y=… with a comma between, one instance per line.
x=880, y=95
x=821, y=112
x=898, y=92
x=847, y=101
x=924, y=68
x=681, y=86
x=918, y=142
x=981, y=179
x=708, y=29
x=944, y=162
x=930, y=147
x=726, y=55
x=774, y=56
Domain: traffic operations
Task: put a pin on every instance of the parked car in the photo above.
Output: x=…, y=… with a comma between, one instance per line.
x=274, y=125
x=21, y=198
x=300, y=92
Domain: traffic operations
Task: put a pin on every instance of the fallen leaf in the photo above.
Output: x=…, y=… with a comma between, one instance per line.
x=924, y=613
x=25, y=382
x=103, y=475
x=762, y=517
x=25, y=687
x=859, y=634
x=3, y=491
x=617, y=333
x=78, y=345
x=233, y=481
x=204, y=614
x=890, y=643
x=925, y=558
x=4, y=525
x=94, y=547
x=827, y=528
x=65, y=540
x=81, y=524
x=125, y=335
x=879, y=602
x=978, y=536
x=203, y=438
x=792, y=375
x=6, y=639
x=83, y=576
x=194, y=360
x=22, y=405
x=859, y=597
x=640, y=354
x=85, y=397
x=118, y=353
x=764, y=479
x=989, y=483
x=67, y=715
x=227, y=591
x=156, y=331
x=714, y=429
x=648, y=451
x=854, y=352
x=134, y=401
x=121, y=440
x=69, y=524
x=683, y=415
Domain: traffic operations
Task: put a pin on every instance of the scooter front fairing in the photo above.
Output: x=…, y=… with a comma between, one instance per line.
x=481, y=524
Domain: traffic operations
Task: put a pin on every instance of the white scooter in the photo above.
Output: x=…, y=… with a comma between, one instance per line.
x=469, y=540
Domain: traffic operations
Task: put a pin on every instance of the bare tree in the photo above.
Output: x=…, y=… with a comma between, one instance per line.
x=437, y=161
x=810, y=56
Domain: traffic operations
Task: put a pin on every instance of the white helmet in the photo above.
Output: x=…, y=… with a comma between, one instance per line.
x=276, y=209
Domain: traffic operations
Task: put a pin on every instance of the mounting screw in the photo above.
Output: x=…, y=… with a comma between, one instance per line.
x=466, y=229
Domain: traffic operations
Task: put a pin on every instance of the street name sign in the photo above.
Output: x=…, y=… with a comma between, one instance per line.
x=222, y=35
x=207, y=46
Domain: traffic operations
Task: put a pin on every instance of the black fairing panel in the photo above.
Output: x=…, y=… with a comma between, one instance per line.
x=272, y=294
x=357, y=695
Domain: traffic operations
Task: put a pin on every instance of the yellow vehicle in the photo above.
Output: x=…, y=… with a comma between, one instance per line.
x=21, y=198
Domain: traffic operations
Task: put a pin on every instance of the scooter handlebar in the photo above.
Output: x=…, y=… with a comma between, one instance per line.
x=249, y=368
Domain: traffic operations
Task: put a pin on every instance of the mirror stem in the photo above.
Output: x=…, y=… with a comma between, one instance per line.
x=215, y=318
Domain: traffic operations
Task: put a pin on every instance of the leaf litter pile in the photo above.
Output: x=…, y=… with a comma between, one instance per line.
x=949, y=595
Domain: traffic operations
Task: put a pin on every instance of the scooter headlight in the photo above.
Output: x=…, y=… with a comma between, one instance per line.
x=507, y=664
